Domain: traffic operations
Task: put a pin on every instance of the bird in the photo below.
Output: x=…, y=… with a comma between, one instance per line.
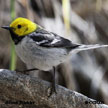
x=42, y=49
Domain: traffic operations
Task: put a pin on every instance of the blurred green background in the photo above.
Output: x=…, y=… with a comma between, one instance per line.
x=82, y=21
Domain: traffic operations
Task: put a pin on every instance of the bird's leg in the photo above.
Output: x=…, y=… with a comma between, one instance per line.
x=28, y=70
x=53, y=90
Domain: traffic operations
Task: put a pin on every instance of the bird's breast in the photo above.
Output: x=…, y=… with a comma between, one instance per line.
x=40, y=57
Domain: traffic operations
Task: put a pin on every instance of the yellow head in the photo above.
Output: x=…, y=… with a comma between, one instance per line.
x=23, y=26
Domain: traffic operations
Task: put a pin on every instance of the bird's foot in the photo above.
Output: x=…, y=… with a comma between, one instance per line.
x=52, y=91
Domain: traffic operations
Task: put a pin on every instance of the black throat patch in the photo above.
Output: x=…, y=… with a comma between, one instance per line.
x=16, y=38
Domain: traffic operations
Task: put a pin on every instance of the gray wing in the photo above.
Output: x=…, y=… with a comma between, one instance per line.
x=48, y=39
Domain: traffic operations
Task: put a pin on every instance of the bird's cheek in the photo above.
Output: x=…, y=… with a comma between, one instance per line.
x=19, y=32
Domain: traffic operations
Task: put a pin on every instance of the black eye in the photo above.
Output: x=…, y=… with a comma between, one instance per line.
x=19, y=26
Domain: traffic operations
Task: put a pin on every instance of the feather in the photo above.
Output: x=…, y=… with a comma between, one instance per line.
x=83, y=47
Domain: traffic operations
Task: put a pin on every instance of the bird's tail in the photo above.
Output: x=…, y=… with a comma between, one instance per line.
x=82, y=47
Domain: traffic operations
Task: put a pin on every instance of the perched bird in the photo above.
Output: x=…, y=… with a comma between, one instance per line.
x=40, y=48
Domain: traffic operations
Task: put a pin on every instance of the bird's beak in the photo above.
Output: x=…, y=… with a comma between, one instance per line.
x=6, y=27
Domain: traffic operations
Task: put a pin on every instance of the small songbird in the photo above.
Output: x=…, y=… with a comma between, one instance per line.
x=40, y=48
